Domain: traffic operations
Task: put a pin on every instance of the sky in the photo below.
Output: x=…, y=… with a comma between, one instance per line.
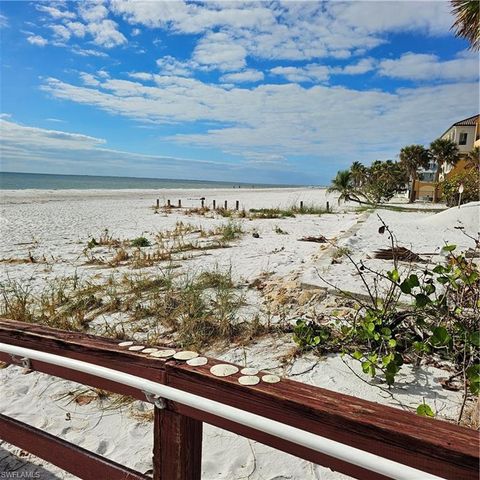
x=269, y=92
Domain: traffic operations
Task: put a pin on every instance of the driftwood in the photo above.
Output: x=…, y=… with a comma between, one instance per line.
x=320, y=239
x=398, y=253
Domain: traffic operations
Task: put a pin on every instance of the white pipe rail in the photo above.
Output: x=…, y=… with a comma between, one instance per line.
x=352, y=455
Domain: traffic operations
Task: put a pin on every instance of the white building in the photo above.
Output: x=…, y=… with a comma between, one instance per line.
x=466, y=134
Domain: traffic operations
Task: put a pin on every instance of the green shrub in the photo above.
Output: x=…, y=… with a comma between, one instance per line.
x=471, y=185
x=140, y=242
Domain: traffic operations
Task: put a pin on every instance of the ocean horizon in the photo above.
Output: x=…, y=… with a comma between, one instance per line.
x=48, y=181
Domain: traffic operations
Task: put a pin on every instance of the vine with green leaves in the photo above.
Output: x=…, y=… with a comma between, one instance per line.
x=418, y=316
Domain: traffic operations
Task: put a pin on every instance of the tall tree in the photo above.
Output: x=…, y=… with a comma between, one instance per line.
x=343, y=184
x=467, y=22
x=443, y=151
x=413, y=157
x=358, y=173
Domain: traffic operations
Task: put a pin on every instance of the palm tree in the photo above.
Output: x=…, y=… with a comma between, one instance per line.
x=473, y=159
x=413, y=157
x=443, y=151
x=343, y=184
x=358, y=172
x=467, y=21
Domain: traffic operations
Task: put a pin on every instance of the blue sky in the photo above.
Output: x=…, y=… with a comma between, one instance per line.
x=277, y=92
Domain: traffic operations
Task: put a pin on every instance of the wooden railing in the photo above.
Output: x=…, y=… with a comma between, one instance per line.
x=430, y=445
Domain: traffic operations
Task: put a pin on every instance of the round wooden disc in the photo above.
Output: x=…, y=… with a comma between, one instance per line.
x=163, y=354
x=249, y=371
x=125, y=344
x=150, y=350
x=136, y=348
x=185, y=355
x=223, y=370
x=197, y=361
x=249, y=380
x=270, y=378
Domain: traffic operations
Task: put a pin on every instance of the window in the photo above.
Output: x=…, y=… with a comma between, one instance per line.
x=463, y=139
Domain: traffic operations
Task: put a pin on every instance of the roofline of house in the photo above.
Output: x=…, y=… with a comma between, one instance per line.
x=457, y=123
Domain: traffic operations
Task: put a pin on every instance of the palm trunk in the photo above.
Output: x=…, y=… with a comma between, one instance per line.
x=435, y=180
x=412, y=191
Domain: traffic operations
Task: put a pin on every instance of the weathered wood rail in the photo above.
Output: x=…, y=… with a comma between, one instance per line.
x=430, y=445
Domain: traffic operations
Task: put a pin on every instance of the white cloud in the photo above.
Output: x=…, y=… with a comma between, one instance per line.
x=362, y=66
x=13, y=133
x=77, y=28
x=89, y=79
x=55, y=120
x=37, y=40
x=248, y=75
x=218, y=50
x=61, y=32
x=92, y=12
x=291, y=30
x=26, y=148
x=310, y=73
x=135, y=32
x=169, y=65
x=105, y=34
x=87, y=52
x=420, y=66
x=285, y=119
x=3, y=21
x=432, y=18
x=55, y=12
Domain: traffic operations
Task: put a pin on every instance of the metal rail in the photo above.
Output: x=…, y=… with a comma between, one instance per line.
x=156, y=392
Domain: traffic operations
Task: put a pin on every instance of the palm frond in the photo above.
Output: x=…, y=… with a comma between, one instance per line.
x=467, y=23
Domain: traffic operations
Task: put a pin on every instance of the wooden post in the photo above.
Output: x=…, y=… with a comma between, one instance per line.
x=328, y=206
x=214, y=204
x=301, y=205
x=203, y=203
x=177, y=446
x=226, y=205
x=169, y=204
x=158, y=203
x=237, y=205
x=179, y=204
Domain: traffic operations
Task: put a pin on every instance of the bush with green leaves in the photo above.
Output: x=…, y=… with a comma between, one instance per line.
x=140, y=242
x=471, y=187
x=432, y=313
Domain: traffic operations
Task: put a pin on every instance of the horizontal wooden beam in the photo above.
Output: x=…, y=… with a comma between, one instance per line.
x=65, y=455
x=431, y=445
x=82, y=346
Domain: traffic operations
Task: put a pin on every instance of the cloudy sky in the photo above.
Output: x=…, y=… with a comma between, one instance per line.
x=277, y=92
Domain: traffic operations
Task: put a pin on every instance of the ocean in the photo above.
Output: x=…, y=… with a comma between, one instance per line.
x=41, y=181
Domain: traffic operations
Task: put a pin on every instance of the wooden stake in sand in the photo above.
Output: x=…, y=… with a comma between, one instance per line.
x=158, y=203
x=169, y=204
x=214, y=204
x=179, y=204
x=226, y=205
x=237, y=205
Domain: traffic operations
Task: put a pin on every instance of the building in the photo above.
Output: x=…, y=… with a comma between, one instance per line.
x=466, y=134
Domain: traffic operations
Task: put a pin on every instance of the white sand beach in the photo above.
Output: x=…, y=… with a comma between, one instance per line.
x=54, y=227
